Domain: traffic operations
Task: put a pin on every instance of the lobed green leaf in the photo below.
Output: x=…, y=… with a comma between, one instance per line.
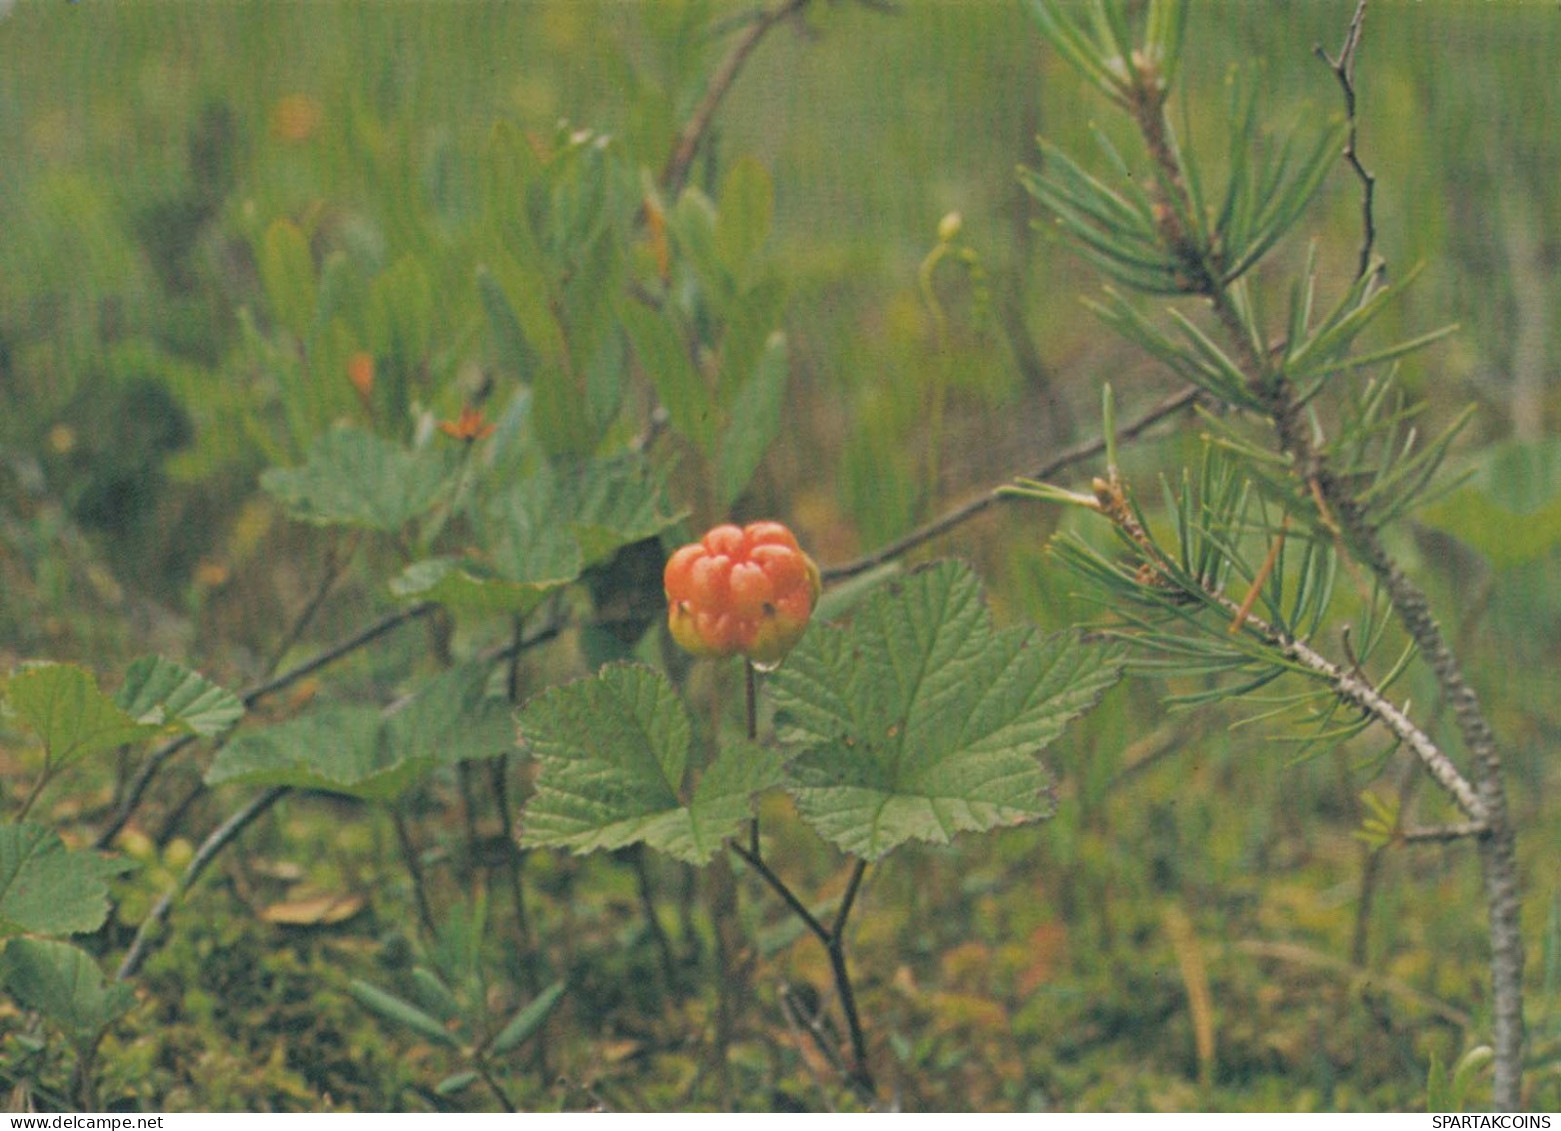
x=613, y=751
x=355, y=478
x=62, y=705
x=64, y=984
x=46, y=889
x=920, y=720
x=158, y=690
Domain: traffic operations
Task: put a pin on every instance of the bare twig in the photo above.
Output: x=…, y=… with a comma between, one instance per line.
x=861, y=1075
x=141, y=945
x=802, y=1020
x=698, y=124
x=1168, y=406
x=414, y=863
x=1343, y=68
x=336, y=561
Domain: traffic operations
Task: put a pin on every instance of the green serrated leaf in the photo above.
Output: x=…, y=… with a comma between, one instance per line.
x=65, y=985
x=46, y=889
x=613, y=750
x=451, y=719
x=541, y=532
x=338, y=749
x=755, y=420
x=468, y=587
x=919, y=720
x=356, y=478
x=526, y=1022
x=171, y=692
x=62, y=705
x=362, y=752
x=610, y=503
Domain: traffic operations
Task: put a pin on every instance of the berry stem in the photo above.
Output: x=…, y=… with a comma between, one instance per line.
x=751, y=698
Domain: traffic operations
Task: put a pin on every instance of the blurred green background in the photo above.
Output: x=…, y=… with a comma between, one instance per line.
x=145, y=148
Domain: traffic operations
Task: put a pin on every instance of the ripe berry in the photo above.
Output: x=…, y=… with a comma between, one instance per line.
x=741, y=590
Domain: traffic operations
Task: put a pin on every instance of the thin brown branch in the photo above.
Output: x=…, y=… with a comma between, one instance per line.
x=220, y=838
x=861, y=1075
x=412, y=858
x=1343, y=68
x=694, y=130
x=958, y=516
x=778, y=886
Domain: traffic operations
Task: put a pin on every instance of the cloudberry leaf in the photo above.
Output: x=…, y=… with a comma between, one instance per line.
x=334, y=748
x=355, y=478
x=920, y=720
x=62, y=705
x=157, y=688
x=613, y=751
x=363, y=752
x=65, y=985
x=46, y=889
x=542, y=532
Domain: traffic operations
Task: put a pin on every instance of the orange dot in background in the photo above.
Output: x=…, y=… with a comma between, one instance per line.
x=360, y=371
x=295, y=118
x=210, y=573
x=469, y=426
x=62, y=439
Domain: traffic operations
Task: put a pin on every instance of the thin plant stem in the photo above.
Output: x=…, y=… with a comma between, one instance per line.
x=698, y=124
x=833, y=940
x=220, y=838
x=751, y=700
x=964, y=512
x=463, y=783
x=414, y=866
x=483, y=1070
x=44, y=777
x=658, y=934
x=861, y=1074
x=513, y=857
x=788, y=897
x=249, y=698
